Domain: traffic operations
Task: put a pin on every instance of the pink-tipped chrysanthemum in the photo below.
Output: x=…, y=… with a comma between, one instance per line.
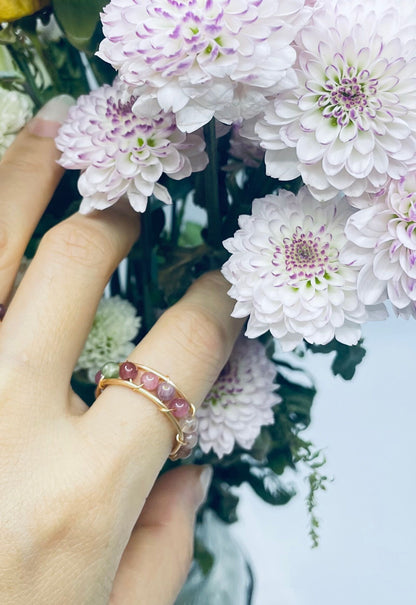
x=122, y=153
x=241, y=400
x=350, y=124
x=204, y=58
x=286, y=274
x=382, y=245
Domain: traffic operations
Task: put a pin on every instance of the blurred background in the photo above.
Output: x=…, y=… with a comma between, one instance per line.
x=366, y=428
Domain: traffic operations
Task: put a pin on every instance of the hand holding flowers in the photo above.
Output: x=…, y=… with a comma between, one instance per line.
x=292, y=125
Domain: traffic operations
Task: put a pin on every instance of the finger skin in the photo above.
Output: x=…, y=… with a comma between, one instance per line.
x=54, y=306
x=29, y=174
x=156, y=561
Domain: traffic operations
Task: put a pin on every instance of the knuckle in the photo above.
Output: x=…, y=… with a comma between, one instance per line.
x=13, y=163
x=83, y=244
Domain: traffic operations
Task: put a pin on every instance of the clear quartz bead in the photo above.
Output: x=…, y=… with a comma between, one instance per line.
x=184, y=452
x=190, y=425
x=191, y=439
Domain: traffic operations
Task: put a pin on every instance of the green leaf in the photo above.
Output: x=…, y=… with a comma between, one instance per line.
x=224, y=502
x=203, y=556
x=80, y=20
x=346, y=359
x=262, y=445
x=297, y=401
x=191, y=235
x=269, y=487
x=279, y=459
x=7, y=67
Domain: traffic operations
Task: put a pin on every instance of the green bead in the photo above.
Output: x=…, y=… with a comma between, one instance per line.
x=110, y=370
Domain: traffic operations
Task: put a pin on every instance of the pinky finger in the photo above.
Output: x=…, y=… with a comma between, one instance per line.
x=156, y=561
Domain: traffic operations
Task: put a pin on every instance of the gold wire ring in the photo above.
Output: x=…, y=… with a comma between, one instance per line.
x=182, y=419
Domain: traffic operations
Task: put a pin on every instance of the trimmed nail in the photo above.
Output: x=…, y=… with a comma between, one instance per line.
x=204, y=483
x=51, y=116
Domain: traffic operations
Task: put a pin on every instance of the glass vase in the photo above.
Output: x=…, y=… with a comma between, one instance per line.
x=229, y=581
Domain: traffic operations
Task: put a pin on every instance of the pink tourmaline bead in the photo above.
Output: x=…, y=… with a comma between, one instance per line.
x=149, y=381
x=190, y=425
x=165, y=391
x=190, y=439
x=98, y=377
x=180, y=407
x=128, y=371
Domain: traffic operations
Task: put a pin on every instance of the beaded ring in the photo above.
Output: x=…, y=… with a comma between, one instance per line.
x=162, y=392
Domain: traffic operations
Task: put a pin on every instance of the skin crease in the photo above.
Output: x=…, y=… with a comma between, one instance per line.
x=83, y=518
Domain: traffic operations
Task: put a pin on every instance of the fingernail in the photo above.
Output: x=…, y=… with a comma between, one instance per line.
x=204, y=483
x=51, y=116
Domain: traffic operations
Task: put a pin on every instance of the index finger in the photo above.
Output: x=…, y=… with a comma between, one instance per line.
x=29, y=174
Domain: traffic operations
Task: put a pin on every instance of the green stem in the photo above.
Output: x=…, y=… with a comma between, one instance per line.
x=174, y=230
x=47, y=62
x=75, y=56
x=212, y=186
x=145, y=270
x=103, y=73
x=30, y=85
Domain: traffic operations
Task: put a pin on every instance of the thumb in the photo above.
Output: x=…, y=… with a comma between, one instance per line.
x=157, y=558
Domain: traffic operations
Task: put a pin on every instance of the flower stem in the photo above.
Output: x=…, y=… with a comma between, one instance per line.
x=29, y=85
x=212, y=186
x=144, y=269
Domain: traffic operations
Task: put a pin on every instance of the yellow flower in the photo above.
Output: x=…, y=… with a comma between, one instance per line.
x=10, y=10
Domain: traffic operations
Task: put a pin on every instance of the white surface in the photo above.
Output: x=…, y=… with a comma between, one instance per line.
x=368, y=534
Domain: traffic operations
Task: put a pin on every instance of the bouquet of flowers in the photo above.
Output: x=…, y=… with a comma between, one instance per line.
x=275, y=140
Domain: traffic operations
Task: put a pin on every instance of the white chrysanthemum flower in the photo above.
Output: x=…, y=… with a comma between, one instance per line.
x=382, y=244
x=110, y=339
x=122, y=153
x=241, y=400
x=286, y=273
x=16, y=109
x=350, y=124
x=202, y=59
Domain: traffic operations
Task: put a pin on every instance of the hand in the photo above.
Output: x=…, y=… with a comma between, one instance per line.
x=81, y=519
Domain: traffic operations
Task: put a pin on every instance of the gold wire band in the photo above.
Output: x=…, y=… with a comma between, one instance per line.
x=166, y=379
x=139, y=388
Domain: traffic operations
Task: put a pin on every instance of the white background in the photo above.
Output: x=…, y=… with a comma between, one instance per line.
x=368, y=531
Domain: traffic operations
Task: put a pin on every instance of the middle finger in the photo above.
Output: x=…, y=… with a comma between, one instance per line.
x=52, y=311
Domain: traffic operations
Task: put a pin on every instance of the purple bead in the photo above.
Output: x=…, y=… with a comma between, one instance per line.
x=179, y=407
x=98, y=377
x=128, y=371
x=165, y=391
x=149, y=381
